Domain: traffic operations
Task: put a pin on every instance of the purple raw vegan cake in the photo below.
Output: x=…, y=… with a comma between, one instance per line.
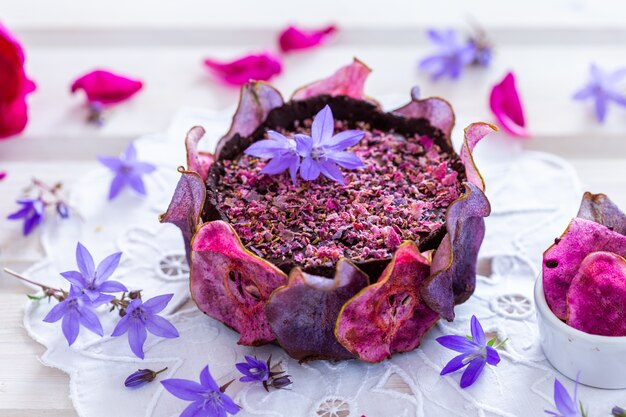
x=330, y=271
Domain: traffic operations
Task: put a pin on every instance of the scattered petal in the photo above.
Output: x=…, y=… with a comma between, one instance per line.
x=603, y=87
x=506, y=106
x=106, y=87
x=294, y=38
x=259, y=67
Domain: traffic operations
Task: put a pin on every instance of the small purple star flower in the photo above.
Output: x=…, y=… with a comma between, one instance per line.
x=208, y=399
x=142, y=317
x=452, y=54
x=603, y=88
x=32, y=212
x=323, y=151
x=253, y=370
x=566, y=405
x=282, y=154
x=475, y=353
x=75, y=310
x=128, y=171
x=92, y=280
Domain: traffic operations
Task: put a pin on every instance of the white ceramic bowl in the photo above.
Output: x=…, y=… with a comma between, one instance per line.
x=601, y=360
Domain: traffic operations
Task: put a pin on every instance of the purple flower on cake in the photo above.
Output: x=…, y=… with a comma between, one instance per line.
x=475, y=353
x=75, y=310
x=253, y=370
x=32, y=212
x=323, y=150
x=142, y=317
x=281, y=152
x=208, y=399
x=91, y=280
x=452, y=55
x=566, y=406
x=603, y=87
x=128, y=171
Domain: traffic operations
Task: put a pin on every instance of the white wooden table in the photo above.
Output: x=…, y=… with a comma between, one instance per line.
x=548, y=44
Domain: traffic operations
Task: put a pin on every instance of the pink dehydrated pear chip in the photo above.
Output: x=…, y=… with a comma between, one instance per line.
x=561, y=261
x=596, y=298
x=388, y=316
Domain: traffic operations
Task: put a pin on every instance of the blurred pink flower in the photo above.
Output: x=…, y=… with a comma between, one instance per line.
x=3, y=175
x=294, y=38
x=15, y=86
x=260, y=67
x=507, y=107
x=106, y=88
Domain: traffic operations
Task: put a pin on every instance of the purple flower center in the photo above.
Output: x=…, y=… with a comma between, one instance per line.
x=317, y=153
x=138, y=313
x=213, y=399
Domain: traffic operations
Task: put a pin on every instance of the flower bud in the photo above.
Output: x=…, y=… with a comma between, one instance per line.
x=134, y=294
x=618, y=412
x=281, y=382
x=141, y=377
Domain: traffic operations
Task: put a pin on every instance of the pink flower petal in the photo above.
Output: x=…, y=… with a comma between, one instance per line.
x=346, y=81
x=294, y=38
x=507, y=107
x=15, y=85
x=105, y=87
x=3, y=175
x=261, y=67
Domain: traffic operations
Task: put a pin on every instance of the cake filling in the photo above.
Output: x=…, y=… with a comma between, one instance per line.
x=401, y=194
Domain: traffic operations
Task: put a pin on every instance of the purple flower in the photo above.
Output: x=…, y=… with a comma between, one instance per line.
x=142, y=317
x=253, y=370
x=128, y=171
x=603, y=88
x=452, y=55
x=282, y=154
x=75, y=310
x=141, y=377
x=475, y=353
x=566, y=405
x=92, y=280
x=208, y=399
x=323, y=151
x=32, y=212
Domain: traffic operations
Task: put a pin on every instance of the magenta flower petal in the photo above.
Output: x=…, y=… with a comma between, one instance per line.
x=261, y=67
x=294, y=38
x=15, y=86
x=105, y=87
x=3, y=175
x=507, y=108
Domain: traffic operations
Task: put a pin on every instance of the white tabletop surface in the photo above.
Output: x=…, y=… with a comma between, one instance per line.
x=549, y=45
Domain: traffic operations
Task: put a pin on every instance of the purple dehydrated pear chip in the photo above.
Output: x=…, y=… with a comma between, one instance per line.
x=186, y=206
x=597, y=295
x=232, y=284
x=304, y=312
x=348, y=81
x=453, y=267
x=561, y=261
x=600, y=209
x=388, y=316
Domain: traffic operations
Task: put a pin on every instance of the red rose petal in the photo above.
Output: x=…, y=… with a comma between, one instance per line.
x=506, y=106
x=294, y=38
x=260, y=67
x=106, y=87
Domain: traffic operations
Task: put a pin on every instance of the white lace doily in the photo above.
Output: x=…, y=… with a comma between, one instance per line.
x=533, y=196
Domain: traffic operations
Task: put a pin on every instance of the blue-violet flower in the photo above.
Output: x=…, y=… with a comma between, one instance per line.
x=452, y=55
x=603, y=87
x=92, y=280
x=475, y=353
x=253, y=370
x=208, y=399
x=618, y=412
x=32, y=212
x=323, y=150
x=566, y=405
x=128, y=171
x=76, y=309
x=280, y=150
x=142, y=317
